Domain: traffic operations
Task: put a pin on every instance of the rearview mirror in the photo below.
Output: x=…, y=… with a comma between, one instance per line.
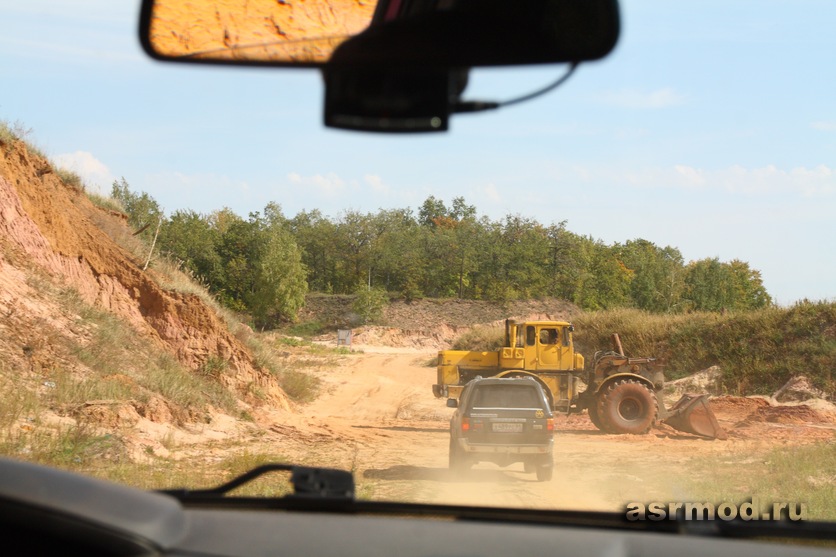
x=441, y=33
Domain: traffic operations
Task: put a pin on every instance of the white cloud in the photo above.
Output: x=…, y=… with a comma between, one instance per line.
x=800, y=181
x=376, y=183
x=819, y=181
x=809, y=182
x=824, y=125
x=329, y=185
x=633, y=98
x=492, y=193
x=94, y=173
x=198, y=192
x=206, y=181
x=691, y=175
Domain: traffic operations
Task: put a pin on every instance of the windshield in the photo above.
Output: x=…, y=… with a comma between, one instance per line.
x=196, y=277
x=504, y=396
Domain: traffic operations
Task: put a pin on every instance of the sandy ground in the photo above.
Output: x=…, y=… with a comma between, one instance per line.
x=378, y=417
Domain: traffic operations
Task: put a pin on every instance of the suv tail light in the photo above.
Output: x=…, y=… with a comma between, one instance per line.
x=550, y=424
x=472, y=425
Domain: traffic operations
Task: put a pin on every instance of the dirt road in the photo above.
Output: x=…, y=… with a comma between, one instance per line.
x=378, y=417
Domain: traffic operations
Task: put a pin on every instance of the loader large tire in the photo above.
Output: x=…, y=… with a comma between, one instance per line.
x=592, y=410
x=627, y=406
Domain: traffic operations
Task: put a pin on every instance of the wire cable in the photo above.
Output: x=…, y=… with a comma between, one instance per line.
x=478, y=106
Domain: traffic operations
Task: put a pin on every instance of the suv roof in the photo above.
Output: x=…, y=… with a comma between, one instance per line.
x=502, y=381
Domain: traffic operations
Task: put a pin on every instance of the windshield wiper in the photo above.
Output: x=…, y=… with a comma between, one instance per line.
x=325, y=483
x=332, y=490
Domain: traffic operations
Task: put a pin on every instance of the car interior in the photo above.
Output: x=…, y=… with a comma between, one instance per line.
x=387, y=67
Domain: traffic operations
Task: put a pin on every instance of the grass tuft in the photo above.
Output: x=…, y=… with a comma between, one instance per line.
x=70, y=178
x=480, y=339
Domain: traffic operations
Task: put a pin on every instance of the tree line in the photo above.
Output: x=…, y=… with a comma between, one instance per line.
x=265, y=264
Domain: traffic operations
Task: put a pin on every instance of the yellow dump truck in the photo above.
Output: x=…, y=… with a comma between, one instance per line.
x=621, y=394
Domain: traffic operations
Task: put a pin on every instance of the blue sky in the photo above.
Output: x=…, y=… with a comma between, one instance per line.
x=712, y=128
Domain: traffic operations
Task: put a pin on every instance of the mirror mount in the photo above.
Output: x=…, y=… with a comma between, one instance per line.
x=384, y=100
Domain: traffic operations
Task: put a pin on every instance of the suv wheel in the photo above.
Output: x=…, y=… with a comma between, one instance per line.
x=459, y=462
x=545, y=469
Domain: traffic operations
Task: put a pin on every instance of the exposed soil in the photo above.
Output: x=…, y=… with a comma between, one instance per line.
x=379, y=418
x=426, y=313
x=266, y=30
x=48, y=232
x=375, y=415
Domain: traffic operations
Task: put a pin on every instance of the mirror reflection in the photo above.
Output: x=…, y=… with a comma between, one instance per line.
x=290, y=31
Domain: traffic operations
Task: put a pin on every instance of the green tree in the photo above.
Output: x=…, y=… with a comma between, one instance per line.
x=279, y=285
x=316, y=237
x=263, y=273
x=658, y=275
x=712, y=285
x=431, y=210
x=369, y=302
x=143, y=210
x=189, y=237
x=749, y=291
x=606, y=282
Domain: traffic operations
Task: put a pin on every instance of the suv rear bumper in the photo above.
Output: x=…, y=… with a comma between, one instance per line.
x=505, y=449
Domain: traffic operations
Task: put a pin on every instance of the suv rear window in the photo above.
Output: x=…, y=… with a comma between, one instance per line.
x=506, y=396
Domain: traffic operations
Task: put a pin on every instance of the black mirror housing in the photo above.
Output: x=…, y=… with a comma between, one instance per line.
x=449, y=34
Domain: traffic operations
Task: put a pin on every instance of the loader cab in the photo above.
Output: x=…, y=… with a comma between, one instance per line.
x=548, y=345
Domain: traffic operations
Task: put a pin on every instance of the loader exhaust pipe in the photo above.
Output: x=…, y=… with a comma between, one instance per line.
x=616, y=343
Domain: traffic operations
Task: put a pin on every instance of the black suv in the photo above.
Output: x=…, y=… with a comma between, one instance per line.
x=502, y=421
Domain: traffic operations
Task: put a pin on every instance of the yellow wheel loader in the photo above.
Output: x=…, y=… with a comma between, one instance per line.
x=622, y=395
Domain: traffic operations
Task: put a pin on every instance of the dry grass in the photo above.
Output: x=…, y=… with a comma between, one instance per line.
x=758, y=350
x=19, y=402
x=802, y=475
x=105, y=202
x=17, y=132
x=70, y=178
x=480, y=339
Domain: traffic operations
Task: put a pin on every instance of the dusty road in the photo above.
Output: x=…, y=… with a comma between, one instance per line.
x=378, y=417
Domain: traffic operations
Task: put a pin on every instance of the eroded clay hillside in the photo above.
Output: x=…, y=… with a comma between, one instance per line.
x=57, y=266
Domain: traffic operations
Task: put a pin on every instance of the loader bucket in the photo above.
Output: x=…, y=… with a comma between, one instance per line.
x=692, y=414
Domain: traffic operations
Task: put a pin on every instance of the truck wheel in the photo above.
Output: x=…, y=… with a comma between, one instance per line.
x=545, y=469
x=627, y=406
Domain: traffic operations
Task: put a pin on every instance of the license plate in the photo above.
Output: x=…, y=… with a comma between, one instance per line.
x=507, y=427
